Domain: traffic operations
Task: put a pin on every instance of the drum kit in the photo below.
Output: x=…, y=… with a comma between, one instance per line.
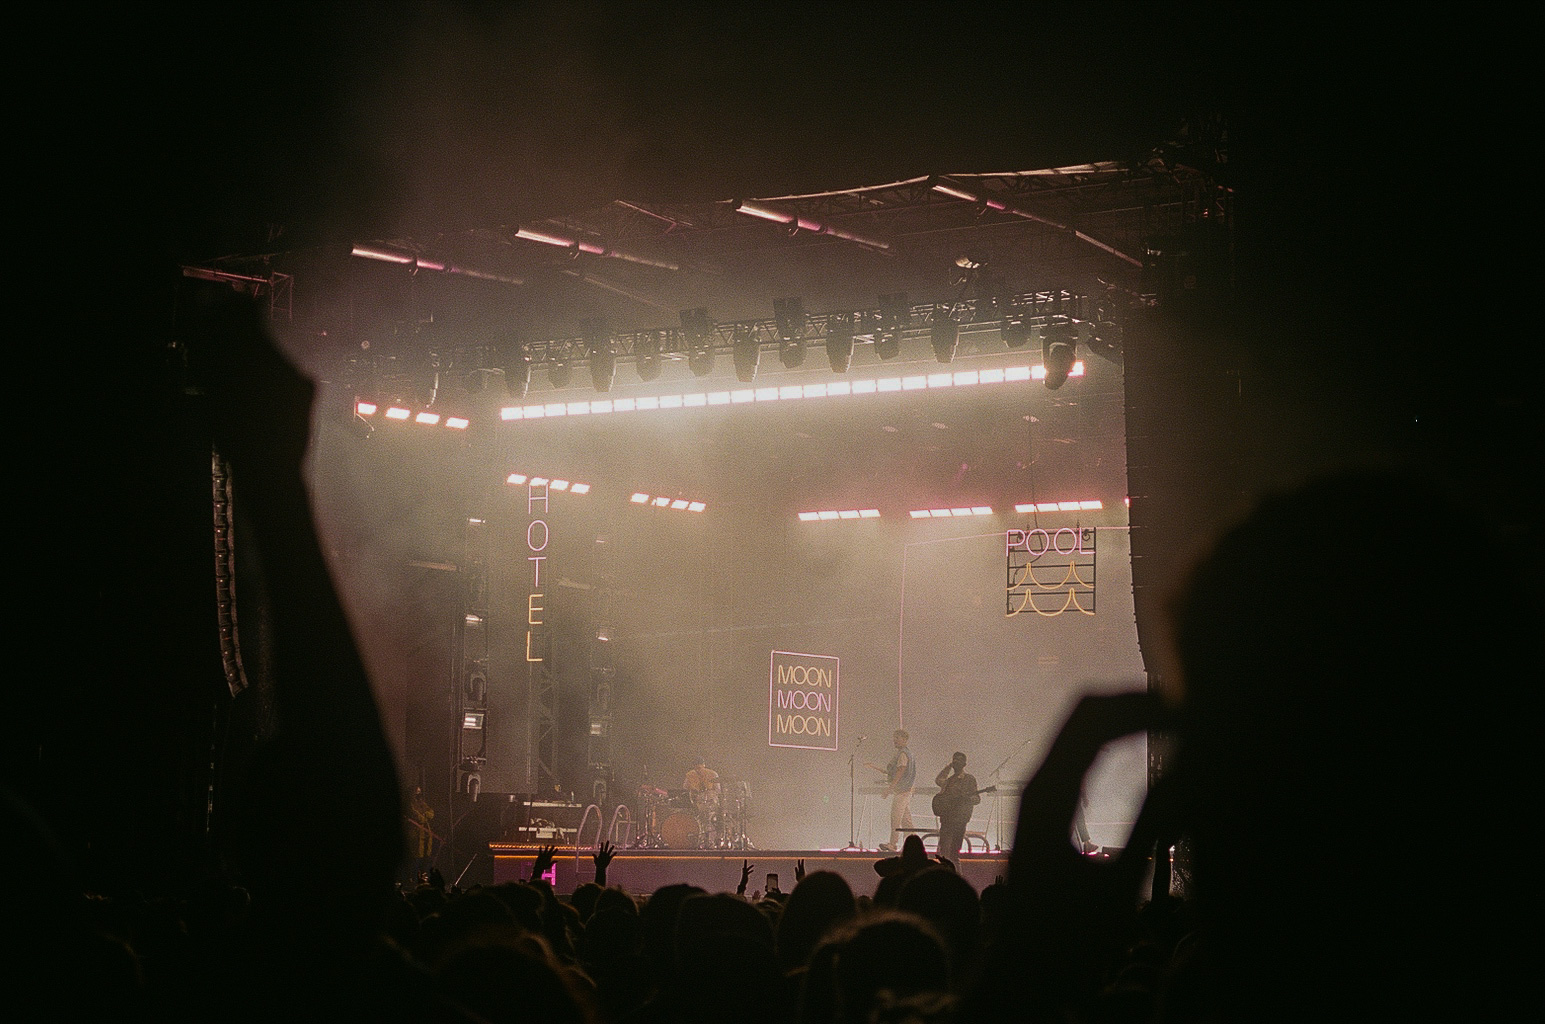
x=679, y=819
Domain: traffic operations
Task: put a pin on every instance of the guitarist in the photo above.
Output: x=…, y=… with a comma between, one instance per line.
x=900, y=780
x=954, y=804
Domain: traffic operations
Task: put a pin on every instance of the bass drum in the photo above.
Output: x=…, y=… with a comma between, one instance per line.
x=680, y=831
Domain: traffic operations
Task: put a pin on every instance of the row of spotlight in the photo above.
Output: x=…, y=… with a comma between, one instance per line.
x=791, y=331
x=739, y=396
x=958, y=512
x=825, y=515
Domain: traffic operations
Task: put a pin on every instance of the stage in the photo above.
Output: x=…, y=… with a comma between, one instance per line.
x=641, y=871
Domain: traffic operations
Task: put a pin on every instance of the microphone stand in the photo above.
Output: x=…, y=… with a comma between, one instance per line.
x=853, y=799
x=997, y=793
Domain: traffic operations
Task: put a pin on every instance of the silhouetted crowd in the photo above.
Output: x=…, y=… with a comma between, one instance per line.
x=1348, y=717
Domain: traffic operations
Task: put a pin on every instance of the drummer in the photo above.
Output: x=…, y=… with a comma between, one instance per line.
x=701, y=784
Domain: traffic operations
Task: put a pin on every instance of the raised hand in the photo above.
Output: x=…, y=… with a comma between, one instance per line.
x=799, y=870
x=745, y=877
x=603, y=856
x=544, y=862
x=1063, y=904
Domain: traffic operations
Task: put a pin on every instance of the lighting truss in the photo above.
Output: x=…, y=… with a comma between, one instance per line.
x=978, y=318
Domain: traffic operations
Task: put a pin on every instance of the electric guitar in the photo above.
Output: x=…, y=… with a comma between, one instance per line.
x=944, y=801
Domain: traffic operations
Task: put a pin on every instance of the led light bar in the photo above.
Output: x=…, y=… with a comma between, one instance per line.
x=552, y=484
x=948, y=513
x=1039, y=372
x=365, y=410
x=740, y=396
x=1060, y=506
x=663, y=501
x=850, y=513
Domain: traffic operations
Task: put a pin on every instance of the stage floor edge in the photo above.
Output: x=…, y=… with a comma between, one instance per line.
x=642, y=871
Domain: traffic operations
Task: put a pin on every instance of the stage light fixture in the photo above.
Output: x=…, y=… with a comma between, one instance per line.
x=887, y=342
x=1013, y=330
x=477, y=683
x=895, y=317
x=747, y=353
x=559, y=370
x=699, y=329
x=646, y=355
x=789, y=315
x=700, y=361
x=600, y=353
x=839, y=341
x=944, y=332
x=697, y=325
x=792, y=354
x=517, y=371
x=1059, y=344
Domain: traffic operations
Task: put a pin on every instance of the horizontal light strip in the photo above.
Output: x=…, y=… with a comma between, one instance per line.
x=662, y=501
x=851, y=513
x=517, y=479
x=950, y=513
x=365, y=410
x=740, y=396
x=1039, y=372
x=1060, y=506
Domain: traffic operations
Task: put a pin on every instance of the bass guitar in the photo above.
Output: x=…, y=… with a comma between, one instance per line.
x=944, y=801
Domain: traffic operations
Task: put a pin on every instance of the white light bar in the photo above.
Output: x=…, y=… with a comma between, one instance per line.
x=397, y=412
x=834, y=389
x=664, y=501
x=950, y=513
x=740, y=396
x=1039, y=372
x=517, y=479
x=1060, y=506
x=829, y=514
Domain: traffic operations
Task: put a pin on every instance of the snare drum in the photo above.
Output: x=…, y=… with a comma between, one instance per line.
x=680, y=831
